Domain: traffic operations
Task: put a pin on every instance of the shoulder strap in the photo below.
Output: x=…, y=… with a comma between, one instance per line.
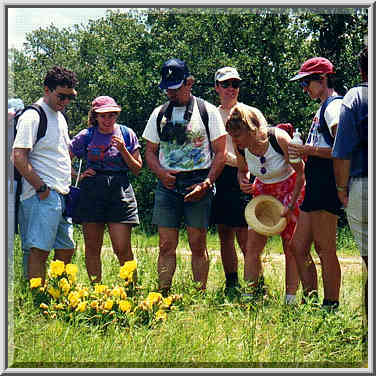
x=205, y=119
x=160, y=116
x=273, y=140
x=126, y=134
x=323, y=127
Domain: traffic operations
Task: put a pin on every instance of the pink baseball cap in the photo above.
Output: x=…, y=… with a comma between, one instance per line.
x=105, y=104
x=315, y=65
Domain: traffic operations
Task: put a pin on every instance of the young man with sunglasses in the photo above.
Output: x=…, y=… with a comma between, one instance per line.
x=187, y=161
x=229, y=202
x=321, y=207
x=46, y=170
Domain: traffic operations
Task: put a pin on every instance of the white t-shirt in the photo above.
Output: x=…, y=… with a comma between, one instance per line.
x=194, y=152
x=315, y=138
x=50, y=155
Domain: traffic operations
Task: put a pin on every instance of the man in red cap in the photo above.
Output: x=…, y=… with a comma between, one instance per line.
x=321, y=206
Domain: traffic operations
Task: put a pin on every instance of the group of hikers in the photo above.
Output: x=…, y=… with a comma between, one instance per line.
x=209, y=162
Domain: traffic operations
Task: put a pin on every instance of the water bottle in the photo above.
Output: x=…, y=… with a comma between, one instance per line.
x=296, y=140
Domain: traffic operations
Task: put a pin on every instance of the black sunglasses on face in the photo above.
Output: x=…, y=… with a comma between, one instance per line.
x=63, y=97
x=234, y=84
x=305, y=82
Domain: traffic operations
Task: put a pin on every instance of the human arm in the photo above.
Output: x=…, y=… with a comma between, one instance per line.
x=243, y=174
x=341, y=169
x=24, y=167
x=167, y=177
x=133, y=160
x=199, y=190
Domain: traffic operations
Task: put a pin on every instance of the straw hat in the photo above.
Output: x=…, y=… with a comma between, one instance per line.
x=263, y=214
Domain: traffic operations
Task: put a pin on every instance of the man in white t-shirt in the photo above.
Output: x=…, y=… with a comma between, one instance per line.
x=45, y=167
x=187, y=159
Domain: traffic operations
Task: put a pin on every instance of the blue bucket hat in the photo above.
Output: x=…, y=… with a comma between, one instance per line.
x=174, y=72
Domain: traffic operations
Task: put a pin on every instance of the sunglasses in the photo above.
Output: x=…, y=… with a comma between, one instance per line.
x=63, y=97
x=305, y=82
x=235, y=84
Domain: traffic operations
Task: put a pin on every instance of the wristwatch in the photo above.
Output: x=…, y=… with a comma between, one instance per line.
x=42, y=189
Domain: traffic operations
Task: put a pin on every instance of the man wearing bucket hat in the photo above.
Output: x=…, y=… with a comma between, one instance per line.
x=229, y=202
x=107, y=198
x=45, y=167
x=321, y=206
x=187, y=155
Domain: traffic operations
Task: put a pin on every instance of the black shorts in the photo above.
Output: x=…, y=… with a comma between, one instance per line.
x=229, y=201
x=321, y=191
x=107, y=197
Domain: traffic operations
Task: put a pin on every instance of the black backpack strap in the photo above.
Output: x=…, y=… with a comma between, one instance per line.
x=273, y=140
x=323, y=126
x=205, y=119
x=162, y=111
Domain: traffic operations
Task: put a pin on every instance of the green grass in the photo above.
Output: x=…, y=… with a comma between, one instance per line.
x=209, y=330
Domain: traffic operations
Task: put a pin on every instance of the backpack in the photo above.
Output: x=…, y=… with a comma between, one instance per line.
x=323, y=126
x=167, y=108
x=42, y=128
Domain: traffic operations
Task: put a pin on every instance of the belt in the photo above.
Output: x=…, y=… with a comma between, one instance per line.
x=186, y=174
x=109, y=173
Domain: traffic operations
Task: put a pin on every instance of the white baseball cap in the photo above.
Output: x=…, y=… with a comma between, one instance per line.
x=226, y=73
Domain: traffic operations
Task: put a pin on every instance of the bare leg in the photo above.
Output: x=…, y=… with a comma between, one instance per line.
x=292, y=275
x=252, y=260
x=37, y=263
x=228, y=254
x=120, y=235
x=300, y=246
x=93, y=237
x=64, y=255
x=324, y=226
x=200, y=257
x=168, y=241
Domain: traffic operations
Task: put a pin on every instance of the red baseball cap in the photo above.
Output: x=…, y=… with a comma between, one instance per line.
x=105, y=104
x=315, y=65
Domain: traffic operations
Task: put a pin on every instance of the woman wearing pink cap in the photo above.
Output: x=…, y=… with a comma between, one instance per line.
x=110, y=151
x=321, y=207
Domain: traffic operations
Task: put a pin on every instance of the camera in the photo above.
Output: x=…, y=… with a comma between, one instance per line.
x=177, y=132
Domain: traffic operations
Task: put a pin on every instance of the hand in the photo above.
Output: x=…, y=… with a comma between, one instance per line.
x=118, y=143
x=344, y=198
x=296, y=150
x=168, y=178
x=288, y=213
x=43, y=195
x=87, y=173
x=198, y=191
x=247, y=187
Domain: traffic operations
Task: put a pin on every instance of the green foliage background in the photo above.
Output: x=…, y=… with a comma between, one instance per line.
x=121, y=55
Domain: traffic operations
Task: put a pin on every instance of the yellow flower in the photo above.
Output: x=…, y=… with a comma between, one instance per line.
x=43, y=306
x=57, y=268
x=124, y=274
x=81, y=307
x=71, y=269
x=125, y=305
x=167, y=301
x=108, y=304
x=64, y=285
x=116, y=292
x=35, y=282
x=59, y=306
x=100, y=289
x=73, y=298
x=160, y=315
x=130, y=265
x=154, y=297
x=83, y=292
x=94, y=304
x=55, y=293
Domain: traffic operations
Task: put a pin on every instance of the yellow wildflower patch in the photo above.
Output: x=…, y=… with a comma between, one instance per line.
x=35, y=282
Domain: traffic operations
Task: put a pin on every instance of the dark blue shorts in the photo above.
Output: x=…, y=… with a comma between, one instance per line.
x=107, y=198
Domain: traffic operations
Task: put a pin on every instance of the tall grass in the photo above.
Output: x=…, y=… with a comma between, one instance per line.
x=209, y=331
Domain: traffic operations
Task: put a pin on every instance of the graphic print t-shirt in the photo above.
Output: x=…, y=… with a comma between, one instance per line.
x=100, y=154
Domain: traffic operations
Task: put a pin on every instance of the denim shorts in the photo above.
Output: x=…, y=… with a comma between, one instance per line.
x=170, y=208
x=42, y=224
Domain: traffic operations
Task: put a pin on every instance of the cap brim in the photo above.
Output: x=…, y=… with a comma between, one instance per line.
x=108, y=109
x=229, y=77
x=170, y=85
x=301, y=75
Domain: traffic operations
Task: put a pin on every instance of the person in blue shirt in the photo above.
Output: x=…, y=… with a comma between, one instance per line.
x=350, y=153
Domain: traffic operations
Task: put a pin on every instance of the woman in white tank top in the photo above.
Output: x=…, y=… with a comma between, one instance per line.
x=275, y=176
